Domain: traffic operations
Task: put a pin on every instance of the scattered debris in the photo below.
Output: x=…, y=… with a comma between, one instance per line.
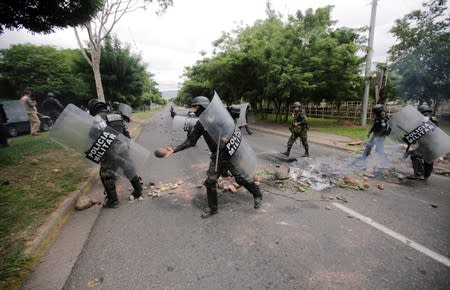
x=95, y=282
x=85, y=202
x=434, y=205
x=380, y=186
x=282, y=172
x=366, y=185
x=328, y=207
x=168, y=186
x=34, y=162
x=56, y=170
x=354, y=143
x=349, y=180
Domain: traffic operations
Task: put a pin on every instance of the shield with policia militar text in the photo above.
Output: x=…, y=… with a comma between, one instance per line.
x=91, y=137
x=219, y=124
x=410, y=126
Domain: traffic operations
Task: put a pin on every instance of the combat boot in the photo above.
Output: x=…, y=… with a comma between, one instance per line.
x=257, y=195
x=306, y=154
x=211, y=194
x=111, y=200
x=288, y=151
x=136, y=182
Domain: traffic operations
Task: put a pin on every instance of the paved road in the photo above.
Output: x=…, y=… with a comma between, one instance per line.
x=300, y=240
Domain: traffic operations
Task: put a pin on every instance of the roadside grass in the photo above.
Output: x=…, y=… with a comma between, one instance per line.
x=36, y=175
x=144, y=115
x=330, y=126
x=445, y=126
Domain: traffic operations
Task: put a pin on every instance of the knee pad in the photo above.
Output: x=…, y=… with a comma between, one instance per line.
x=210, y=183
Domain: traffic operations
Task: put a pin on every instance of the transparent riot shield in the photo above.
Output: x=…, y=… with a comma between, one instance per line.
x=184, y=123
x=221, y=127
x=126, y=110
x=91, y=137
x=410, y=126
x=242, y=120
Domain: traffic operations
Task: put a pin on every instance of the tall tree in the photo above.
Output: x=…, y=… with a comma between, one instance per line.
x=43, y=16
x=43, y=69
x=101, y=27
x=422, y=53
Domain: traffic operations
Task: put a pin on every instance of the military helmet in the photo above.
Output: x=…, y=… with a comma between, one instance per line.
x=200, y=101
x=95, y=106
x=50, y=94
x=115, y=106
x=378, y=108
x=424, y=108
x=296, y=104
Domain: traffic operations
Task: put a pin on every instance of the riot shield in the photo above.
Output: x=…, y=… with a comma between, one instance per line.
x=126, y=110
x=184, y=123
x=242, y=120
x=90, y=136
x=221, y=127
x=410, y=126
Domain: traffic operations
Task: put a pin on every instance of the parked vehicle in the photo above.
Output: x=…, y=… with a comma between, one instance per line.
x=18, y=122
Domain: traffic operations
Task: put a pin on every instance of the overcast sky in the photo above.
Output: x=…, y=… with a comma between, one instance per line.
x=172, y=41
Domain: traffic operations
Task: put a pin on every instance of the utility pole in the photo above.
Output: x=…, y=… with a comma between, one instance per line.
x=365, y=101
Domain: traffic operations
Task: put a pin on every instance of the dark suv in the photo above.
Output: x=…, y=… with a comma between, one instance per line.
x=18, y=122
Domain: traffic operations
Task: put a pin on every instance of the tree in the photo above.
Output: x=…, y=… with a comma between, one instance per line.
x=43, y=69
x=274, y=63
x=43, y=16
x=101, y=27
x=422, y=53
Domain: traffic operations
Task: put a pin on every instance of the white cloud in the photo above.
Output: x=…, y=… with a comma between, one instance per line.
x=170, y=42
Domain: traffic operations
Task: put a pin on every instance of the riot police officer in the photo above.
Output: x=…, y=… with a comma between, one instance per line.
x=299, y=128
x=115, y=159
x=52, y=106
x=422, y=169
x=199, y=104
x=380, y=129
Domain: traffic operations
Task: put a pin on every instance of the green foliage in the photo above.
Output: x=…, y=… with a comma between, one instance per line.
x=41, y=68
x=124, y=75
x=64, y=72
x=422, y=53
x=43, y=16
x=274, y=63
x=36, y=174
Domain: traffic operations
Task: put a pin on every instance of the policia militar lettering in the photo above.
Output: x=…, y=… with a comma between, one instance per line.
x=222, y=157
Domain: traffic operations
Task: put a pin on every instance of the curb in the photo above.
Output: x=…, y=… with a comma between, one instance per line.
x=312, y=140
x=57, y=218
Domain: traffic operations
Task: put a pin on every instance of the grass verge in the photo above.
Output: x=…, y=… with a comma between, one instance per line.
x=144, y=115
x=330, y=126
x=36, y=175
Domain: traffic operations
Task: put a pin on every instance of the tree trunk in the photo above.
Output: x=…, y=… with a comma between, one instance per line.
x=98, y=80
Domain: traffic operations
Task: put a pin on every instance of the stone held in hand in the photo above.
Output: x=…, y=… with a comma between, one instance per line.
x=160, y=152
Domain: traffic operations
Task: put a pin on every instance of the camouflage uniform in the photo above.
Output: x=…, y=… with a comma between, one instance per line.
x=224, y=165
x=298, y=128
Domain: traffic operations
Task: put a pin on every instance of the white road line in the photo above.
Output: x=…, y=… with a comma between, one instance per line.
x=438, y=257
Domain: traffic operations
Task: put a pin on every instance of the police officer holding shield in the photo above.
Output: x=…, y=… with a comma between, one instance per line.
x=117, y=158
x=218, y=163
x=422, y=169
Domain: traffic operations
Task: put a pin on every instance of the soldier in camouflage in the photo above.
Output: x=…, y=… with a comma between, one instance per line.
x=199, y=104
x=299, y=129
